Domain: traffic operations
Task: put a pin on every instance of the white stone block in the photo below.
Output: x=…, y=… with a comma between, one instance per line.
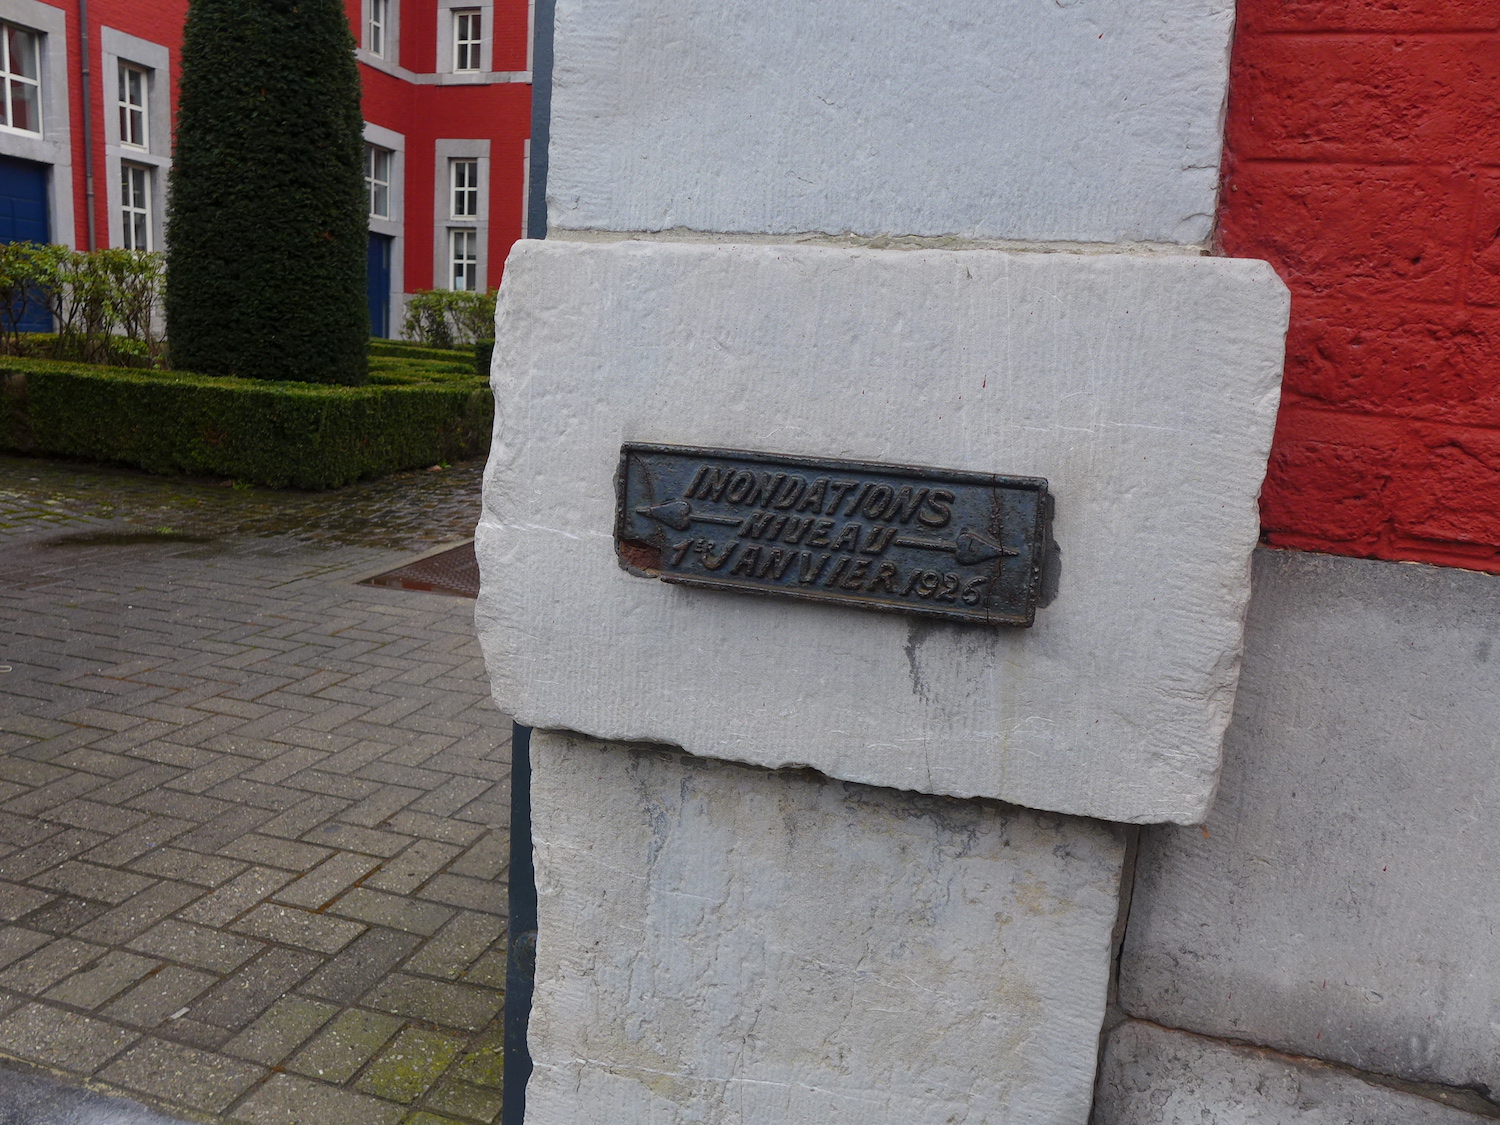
x=724, y=945
x=1344, y=900
x=1152, y=1076
x=1143, y=388
x=1078, y=120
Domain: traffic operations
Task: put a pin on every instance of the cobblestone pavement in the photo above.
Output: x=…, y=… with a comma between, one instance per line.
x=252, y=815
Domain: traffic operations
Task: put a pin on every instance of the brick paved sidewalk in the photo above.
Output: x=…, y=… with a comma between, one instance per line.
x=252, y=828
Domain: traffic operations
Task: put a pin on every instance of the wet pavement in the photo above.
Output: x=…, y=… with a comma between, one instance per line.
x=407, y=511
x=253, y=814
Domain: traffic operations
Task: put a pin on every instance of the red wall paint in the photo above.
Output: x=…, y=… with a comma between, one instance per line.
x=499, y=112
x=1363, y=161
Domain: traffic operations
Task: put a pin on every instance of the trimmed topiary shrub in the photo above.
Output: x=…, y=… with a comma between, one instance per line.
x=267, y=232
x=279, y=434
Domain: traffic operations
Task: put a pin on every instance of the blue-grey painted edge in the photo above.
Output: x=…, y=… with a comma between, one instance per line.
x=520, y=968
x=541, y=117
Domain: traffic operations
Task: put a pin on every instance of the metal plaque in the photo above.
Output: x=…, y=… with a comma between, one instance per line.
x=934, y=542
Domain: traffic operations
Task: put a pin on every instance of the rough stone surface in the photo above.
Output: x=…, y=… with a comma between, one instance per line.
x=1143, y=388
x=1340, y=900
x=726, y=945
x=1010, y=119
x=1153, y=1076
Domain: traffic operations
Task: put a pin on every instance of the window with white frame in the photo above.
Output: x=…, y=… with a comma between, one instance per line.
x=467, y=39
x=135, y=207
x=134, y=84
x=21, y=74
x=378, y=29
x=464, y=177
x=463, y=253
x=378, y=180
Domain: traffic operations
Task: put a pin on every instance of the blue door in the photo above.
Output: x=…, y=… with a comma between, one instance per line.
x=23, y=218
x=379, y=285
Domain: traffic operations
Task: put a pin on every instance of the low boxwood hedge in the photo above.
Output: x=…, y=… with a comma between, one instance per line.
x=281, y=434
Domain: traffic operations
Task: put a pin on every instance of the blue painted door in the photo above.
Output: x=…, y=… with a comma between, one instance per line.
x=379, y=285
x=23, y=218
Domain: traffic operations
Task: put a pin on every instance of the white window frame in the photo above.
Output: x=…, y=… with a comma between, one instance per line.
x=153, y=60
x=394, y=224
x=373, y=159
x=52, y=147
x=377, y=27
x=127, y=109
x=469, y=237
x=447, y=40
x=133, y=206
x=448, y=152
x=468, y=48
x=7, y=77
x=388, y=58
x=463, y=198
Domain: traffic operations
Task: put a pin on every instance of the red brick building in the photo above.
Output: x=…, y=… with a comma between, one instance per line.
x=1363, y=161
x=86, y=112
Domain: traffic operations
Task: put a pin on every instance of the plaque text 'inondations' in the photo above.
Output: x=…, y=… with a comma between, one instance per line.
x=936, y=542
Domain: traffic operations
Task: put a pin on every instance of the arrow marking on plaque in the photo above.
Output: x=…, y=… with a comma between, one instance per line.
x=679, y=514
x=969, y=548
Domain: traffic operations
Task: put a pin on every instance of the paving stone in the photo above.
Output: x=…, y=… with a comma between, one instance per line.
x=191, y=867
x=100, y=818
x=435, y=828
x=16, y=901
x=484, y=1064
x=87, y=880
x=137, y=914
x=489, y=970
x=411, y=1064
x=299, y=927
x=326, y=881
x=351, y=837
x=287, y=1098
x=272, y=852
x=237, y=896
x=363, y=962
x=472, y=894
x=389, y=910
x=31, y=1097
x=197, y=946
x=65, y=914
x=281, y=1030
x=194, y=1033
x=115, y=972
x=66, y=1040
x=458, y=946
x=22, y=865
x=463, y=1100
x=236, y=1002
x=379, y=805
x=450, y=1005
x=158, y=996
x=413, y=867
x=154, y=833
x=175, y=1073
x=48, y=965
x=204, y=704
x=487, y=859
x=345, y=1045
x=306, y=814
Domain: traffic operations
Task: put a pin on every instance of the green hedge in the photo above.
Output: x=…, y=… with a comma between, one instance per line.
x=302, y=435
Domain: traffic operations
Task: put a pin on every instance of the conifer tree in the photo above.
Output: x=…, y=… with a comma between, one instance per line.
x=267, y=224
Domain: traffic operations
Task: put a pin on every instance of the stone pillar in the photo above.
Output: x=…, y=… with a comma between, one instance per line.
x=808, y=863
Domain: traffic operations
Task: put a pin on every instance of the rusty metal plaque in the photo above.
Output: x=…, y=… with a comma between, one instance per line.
x=960, y=546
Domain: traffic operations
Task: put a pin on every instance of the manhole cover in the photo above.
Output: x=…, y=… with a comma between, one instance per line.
x=454, y=571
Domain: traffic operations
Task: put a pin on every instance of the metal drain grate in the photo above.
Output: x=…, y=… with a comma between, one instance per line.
x=454, y=571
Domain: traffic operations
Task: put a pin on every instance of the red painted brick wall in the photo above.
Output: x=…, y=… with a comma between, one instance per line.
x=1363, y=161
